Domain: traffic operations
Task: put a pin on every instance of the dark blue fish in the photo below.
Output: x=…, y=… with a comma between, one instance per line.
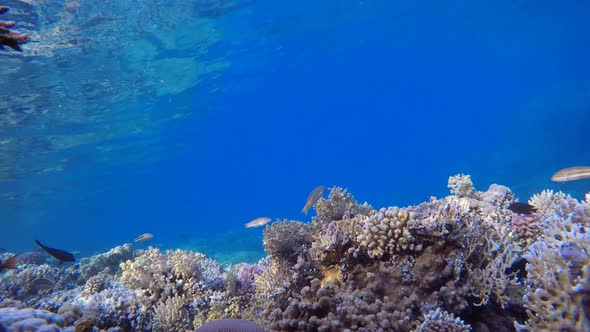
x=522, y=208
x=60, y=255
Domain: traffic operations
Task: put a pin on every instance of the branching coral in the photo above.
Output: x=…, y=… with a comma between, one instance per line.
x=548, y=203
x=340, y=204
x=284, y=240
x=172, y=315
x=558, y=277
x=386, y=232
x=442, y=321
x=461, y=185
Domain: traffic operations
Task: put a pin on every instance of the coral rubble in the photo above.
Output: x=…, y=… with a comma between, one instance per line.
x=459, y=263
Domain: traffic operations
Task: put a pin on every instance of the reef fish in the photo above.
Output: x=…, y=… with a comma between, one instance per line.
x=572, y=174
x=144, y=237
x=258, y=222
x=522, y=208
x=60, y=255
x=42, y=284
x=9, y=263
x=313, y=198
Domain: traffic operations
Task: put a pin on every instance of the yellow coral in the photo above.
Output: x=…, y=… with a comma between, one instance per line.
x=332, y=276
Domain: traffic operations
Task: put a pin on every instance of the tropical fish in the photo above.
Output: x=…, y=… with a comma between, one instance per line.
x=258, y=222
x=144, y=237
x=572, y=174
x=522, y=208
x=9, y=263
x=60, y=255
x=313, y=197
x=42, y=284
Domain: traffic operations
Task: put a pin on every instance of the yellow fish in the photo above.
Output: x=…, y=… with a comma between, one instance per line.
x=572, y=174
x=313, y=197
x=258, y=222
x=144, y=237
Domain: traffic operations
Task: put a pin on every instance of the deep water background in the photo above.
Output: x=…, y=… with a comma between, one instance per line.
x=385, y=98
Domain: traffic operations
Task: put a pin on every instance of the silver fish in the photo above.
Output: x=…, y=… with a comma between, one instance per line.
x=572, y=174
x=313, y=197
x=144, y=237
x=258, y=222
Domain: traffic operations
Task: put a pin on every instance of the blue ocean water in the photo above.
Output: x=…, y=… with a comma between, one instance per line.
x=213, y=113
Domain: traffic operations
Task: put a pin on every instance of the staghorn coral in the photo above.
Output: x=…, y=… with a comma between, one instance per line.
x=172, y=315
x=386, y=232
x=340, y=204
x=548, y=203
x=285, y=239
x=461, y=185
x=442, y=321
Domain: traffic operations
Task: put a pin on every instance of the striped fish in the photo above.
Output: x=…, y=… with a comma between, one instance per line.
x=572, y=174
x=313, y=198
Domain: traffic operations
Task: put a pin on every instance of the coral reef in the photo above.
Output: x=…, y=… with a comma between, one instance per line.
x=461, y=185
x=447, y=264
x=107, y=263
x=8, y=37
x=441, y=321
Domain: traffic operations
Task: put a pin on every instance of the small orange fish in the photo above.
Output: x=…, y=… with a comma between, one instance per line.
x=572, y=174
x=258, y=222
x=144, y=237
x=313, y=197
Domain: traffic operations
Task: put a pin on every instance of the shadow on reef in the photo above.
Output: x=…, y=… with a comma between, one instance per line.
x=460, y=263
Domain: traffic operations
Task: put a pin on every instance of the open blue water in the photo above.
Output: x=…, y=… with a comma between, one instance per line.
x=189, y=123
